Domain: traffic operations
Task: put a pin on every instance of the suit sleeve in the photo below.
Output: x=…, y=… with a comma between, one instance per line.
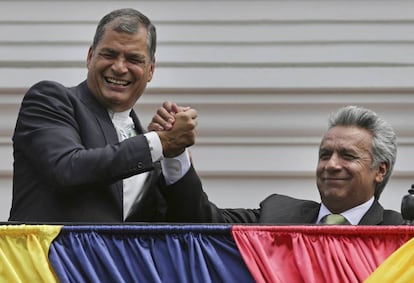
x=187, y=202
x=51, y=134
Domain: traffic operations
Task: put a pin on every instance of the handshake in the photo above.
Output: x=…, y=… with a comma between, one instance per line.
x=175, y=126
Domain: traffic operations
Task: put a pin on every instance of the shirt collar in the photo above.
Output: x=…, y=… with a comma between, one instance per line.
x=353, y=215
x=120, y=117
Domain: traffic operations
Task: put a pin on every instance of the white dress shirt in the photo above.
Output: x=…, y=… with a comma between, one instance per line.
x=173, y=168
x=353, y=215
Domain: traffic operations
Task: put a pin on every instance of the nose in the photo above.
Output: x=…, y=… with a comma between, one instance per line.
x=334, y=162
x=119, y=66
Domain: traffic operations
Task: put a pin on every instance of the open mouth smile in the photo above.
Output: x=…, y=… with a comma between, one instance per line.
x=117, y=82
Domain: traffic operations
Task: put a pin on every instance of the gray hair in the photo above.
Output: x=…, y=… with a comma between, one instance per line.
x=128, y=21
x=384, y=140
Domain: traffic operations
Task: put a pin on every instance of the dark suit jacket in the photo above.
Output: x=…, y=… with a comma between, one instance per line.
x=69, y=165
x=275, y=209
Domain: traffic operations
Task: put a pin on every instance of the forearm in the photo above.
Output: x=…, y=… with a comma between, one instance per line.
x=187, y=202
x=67, y=164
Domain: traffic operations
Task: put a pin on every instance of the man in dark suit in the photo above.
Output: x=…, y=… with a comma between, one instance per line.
x=356, y=158
x=80, y=153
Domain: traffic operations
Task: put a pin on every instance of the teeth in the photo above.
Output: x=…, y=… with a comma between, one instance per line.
x=117, y=82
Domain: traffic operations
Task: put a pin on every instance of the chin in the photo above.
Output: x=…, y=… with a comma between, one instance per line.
x=331, y=195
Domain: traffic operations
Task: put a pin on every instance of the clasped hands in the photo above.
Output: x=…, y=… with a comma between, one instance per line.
x=175, y=125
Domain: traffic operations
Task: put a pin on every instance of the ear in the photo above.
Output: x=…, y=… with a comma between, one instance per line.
x=381, y=172
x=151, y=70
x=89, y=58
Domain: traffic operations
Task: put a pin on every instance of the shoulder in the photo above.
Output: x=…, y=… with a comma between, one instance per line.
x=377, y=215
x=50, y=92
x=392, y=217
x=285, y=209
x=51, y=88
x=46, y=86
x=282, y=200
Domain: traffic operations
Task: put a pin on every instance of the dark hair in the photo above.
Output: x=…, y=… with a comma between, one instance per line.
x=128, y=21
x=384, y=140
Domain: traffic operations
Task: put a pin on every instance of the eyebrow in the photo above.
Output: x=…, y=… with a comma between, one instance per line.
x=340, y=150
x=136, y=55
x=110, y=50
x=130, y=54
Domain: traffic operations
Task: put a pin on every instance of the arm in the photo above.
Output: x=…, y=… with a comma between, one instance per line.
x=53, y=138
x=187, y=202
x=62, y=140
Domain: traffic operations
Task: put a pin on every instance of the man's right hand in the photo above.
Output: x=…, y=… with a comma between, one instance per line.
x=175, y=125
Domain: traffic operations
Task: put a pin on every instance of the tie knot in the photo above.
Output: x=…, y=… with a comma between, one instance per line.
x=124, y=125
x=334, y=219
x=125, y=132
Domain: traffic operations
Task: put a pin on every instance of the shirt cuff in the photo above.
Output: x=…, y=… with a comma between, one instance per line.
x=155, y=146
x=175, y=168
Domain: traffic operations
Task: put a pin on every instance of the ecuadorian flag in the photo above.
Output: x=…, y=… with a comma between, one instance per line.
x=206, y=253
x=24, y=253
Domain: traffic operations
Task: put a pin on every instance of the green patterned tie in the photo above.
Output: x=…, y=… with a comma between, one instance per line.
x=334, y=219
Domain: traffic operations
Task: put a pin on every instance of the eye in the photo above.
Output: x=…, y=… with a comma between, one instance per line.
x=348, y=156
x=324, y=155
x=107, y=55
x=138, y=60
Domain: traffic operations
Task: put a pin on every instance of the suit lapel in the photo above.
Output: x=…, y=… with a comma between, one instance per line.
x=107, y=128
x=310, y=214
x=101, y=114
x=137, y=123
x=374, y=215
x=148, y=204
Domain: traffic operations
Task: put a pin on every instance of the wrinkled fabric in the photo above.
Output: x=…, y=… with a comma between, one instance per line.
x=24, y=253
x=206, y=253
x=397, y=268
x=148, y=253
x=317, y=254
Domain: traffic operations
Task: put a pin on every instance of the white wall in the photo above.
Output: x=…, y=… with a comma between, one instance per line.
x=264, y=76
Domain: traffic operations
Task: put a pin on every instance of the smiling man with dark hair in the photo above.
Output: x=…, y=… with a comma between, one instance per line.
x=81, y=154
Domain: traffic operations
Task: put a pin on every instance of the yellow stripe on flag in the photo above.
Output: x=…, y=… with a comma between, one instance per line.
x=397, y=268
x=24, y=253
